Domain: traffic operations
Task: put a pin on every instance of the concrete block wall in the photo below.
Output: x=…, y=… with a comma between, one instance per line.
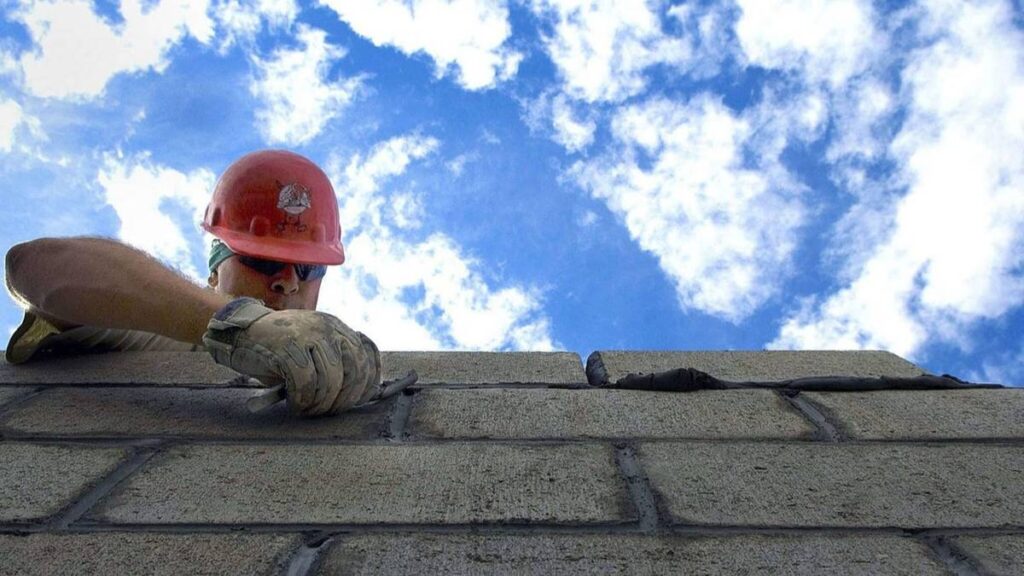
x=505, y=463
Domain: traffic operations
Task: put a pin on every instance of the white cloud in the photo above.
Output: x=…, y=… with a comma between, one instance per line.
x=602, y=47
x=296, y=97
x=458, y=164
x=722, y=230
x=468, y=35
x=572, y=133
x=145, y=197
x=76, y=52
x=824, y=40
x=241, y=21
x=955, y=249
x=554, y=115
x=14, y=121
x=417, y=295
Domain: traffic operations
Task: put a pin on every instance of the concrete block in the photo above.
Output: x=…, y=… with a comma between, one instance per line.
x=451, y=483
x=39, y=480
x=555, y=413
x=848, y=485
x=998, y=555
x=752, y=366
x=145, y=553
x=474, y=368
x=138, y=368
x=926, y=414
x=157, y=411
x=585, y=554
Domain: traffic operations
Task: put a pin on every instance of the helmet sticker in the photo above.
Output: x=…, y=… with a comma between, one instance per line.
x=294, y=200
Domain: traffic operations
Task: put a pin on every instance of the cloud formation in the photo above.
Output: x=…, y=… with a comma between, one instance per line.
x=159, y=208
x=76, y=52
x=823, y=40
x=467, y=35
x=15, y=124
x=679, y=179
x=296, y=96
x=242, y=21
x=955, y=249
x=417, y=294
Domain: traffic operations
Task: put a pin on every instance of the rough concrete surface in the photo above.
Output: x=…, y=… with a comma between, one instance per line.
x=209, y=413
x=848, y=485
x=627, y=554
x=554, y=413
x=757, y=366
x=932, y=414
x=998, y=555
x=453, y=483
x=558, y=368
x=141, y=368
x=145, y=553
x=9, y=393
x=40, y=480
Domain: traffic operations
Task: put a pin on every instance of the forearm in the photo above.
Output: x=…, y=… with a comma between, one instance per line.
x=100, y=282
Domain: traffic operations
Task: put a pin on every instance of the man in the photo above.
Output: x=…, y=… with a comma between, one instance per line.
x=275, y=219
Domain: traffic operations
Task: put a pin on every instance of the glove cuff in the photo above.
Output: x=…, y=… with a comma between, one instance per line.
x=227, y=323
x=239, y=313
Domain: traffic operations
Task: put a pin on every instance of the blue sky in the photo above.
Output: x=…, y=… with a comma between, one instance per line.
x=563, y=174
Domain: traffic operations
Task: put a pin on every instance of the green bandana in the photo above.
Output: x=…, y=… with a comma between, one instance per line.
x=219, y=252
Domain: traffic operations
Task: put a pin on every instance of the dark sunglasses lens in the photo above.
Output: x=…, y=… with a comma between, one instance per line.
x=309, y=272
x=305, y=272
x=265, y=267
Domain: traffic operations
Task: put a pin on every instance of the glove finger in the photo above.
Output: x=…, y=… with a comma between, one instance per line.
x=370, y=358
x=300, y=377
x=355, y=380
x=329, y=379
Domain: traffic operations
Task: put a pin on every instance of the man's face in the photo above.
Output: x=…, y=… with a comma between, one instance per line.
x=281, y=291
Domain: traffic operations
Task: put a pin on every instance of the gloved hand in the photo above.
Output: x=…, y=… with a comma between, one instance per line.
x=326, y=367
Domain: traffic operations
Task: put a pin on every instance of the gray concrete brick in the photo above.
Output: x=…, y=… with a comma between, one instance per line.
x=39, y=481
x=210, y=413
x=627, y=554
x=140, y=368
x=554, y=413
x=145, y=553
x=754, y=366
x=926, y=414
x=998, y=555
x=862, y=485
x=559, y=368
x=443, y=484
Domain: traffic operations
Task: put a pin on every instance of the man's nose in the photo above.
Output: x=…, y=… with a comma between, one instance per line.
x=286, y=281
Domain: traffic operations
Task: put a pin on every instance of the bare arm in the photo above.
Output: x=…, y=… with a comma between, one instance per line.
x=101, y=282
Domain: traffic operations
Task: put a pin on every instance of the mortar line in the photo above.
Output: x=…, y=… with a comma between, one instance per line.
x=305, y=559
x=639, y=487
x=951, y=556
x=496, y=528
x=398, y=418
x=129, y=441
x=138, y=457
x=825, y=430
x=16, y=402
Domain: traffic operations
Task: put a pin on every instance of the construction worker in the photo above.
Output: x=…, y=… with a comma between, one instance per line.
x=274, y=217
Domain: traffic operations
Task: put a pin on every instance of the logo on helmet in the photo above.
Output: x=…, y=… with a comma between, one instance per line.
x=294, y=200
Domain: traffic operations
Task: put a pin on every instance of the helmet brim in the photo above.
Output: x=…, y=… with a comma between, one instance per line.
x=280, y=249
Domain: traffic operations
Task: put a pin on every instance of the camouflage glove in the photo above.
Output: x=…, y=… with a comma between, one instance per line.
x=325, y=366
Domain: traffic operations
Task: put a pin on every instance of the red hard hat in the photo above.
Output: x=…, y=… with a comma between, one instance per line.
x=276, y=205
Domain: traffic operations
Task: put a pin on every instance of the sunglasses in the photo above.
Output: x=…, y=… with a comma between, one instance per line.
x=305, y=272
